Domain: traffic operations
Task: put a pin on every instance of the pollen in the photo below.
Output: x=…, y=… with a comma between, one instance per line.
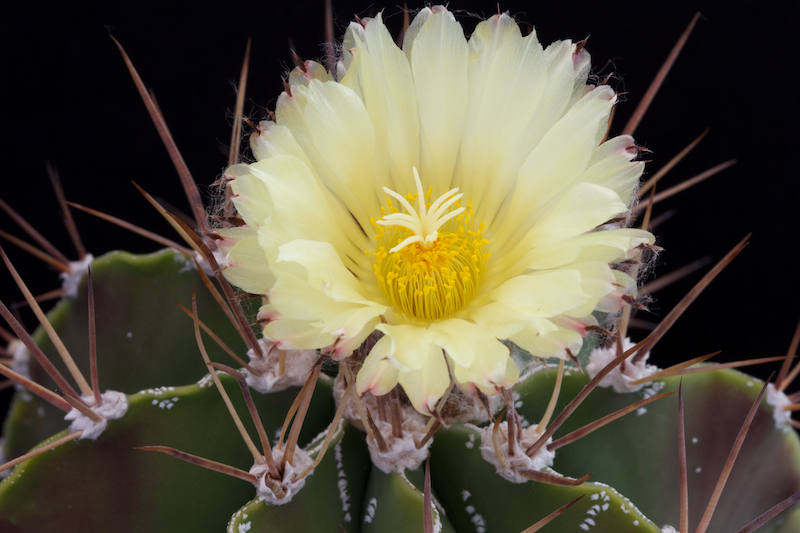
x=429, y=262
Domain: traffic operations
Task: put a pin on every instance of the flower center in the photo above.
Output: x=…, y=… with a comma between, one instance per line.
x=430, y=262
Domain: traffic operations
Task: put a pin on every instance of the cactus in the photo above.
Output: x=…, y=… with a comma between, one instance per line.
x=457, y=460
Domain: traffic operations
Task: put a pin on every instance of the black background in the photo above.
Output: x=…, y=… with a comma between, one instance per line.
x=67, y=98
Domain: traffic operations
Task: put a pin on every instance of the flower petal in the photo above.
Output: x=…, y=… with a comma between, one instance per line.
x=520, y=92
x=542, y=294
x=547, y=345
x=624, y=285
x=490, y=375
x=604, y=246
x=294, y=297
x=274, y=140
x=584, y=207
x=305, y=211
x=502, y=321
x=351, y=336
x=245, y=262
x=557, y=162
x=378, y=375
x=612, y=166
x=503, y=66
x=251, y=196
x=464, y=341
x=338, y=138
x=425, y=386
x=291, y=334
x=391, y=101
x=311, y=70
x=410, y=346
x=439, y=66
x=325, y=270
x=597, y=280
x=352, y=323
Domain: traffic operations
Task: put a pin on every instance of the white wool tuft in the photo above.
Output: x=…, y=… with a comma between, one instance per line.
x=777, y=399
x=290, y=486
x=298, y=366
x=115, y=405
x=21, y=362
x=621, y=377
x=219, y=256
x=70, y=281
x=520, y=462
x=401, y=453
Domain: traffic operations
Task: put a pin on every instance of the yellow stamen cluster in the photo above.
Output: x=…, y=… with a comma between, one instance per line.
x=429, y=264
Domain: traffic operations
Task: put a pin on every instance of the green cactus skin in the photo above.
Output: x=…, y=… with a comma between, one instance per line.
x=143, y=339
x=106, y=484
x=95, y=485
x=477, y=495
x=637, y=454
x=331, y=497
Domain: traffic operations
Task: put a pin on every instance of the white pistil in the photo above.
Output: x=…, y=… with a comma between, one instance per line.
x=427, y=222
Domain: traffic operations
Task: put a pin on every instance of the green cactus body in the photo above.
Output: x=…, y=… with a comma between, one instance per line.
x=96, y=484
x=141, y=344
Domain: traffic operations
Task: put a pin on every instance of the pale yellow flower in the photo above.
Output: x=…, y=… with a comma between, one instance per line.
x=448, y=195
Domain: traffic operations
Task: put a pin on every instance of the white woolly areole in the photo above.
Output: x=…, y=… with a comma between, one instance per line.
x=466, y=409
x=401, y=454
x=21, y=362
x=296, y=370
x=778, y=400
x=668, y=529
x=621, y=377
x=70, y=281
x=219, y=256
x=519, y=462
x=115, y=405
x=289, y=485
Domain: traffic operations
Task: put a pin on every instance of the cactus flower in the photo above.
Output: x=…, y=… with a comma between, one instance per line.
x=449, y=194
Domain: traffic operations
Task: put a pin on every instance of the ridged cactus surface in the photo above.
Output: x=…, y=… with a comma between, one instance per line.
x=144, y=340
x=634, y=459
